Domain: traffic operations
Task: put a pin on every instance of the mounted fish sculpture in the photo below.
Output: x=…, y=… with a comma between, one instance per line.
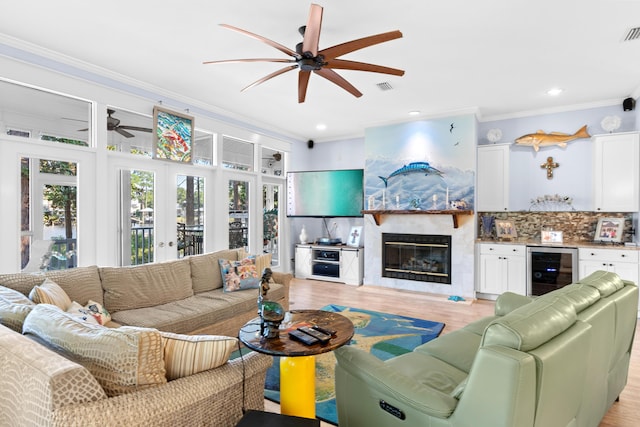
x=415, y=167
x=541, y=139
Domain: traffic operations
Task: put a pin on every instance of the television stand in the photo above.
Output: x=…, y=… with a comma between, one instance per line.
x=333, y=263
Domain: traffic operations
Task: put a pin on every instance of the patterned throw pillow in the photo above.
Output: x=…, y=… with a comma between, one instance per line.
x=82, y=313
x=49, y=292
x=14, y=308
x=186, y=355
x=122, y=360
x=239, y=275
x=100, y=313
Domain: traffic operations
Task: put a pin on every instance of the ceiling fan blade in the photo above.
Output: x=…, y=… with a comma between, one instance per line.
x=353, y=45
x=139, y=129
x=303, y=83
x=334, y=77
x=124, y=133
x=312, y=30
x=271, y=43
x=250, y=60
x=341, y=64
x=270, y=76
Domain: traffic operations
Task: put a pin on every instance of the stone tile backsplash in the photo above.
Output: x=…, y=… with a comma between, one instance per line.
x=576, y=226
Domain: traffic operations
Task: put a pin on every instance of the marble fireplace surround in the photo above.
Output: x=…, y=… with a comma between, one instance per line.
x=462, y=252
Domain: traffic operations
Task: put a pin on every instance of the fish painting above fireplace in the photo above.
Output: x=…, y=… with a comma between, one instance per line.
x=424, y=258
x=429, y=164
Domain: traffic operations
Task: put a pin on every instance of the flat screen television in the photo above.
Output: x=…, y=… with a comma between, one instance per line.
x=330, y=193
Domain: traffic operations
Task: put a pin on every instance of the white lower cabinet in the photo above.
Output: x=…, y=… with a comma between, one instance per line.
x=623, y=262
x=502, y=267
x=302, y=266
x=620, y=261
x=331, y=263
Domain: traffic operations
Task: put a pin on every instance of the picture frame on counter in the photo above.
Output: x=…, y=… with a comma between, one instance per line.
x=609, y=230
x=505, y=229
x=551, y=236
x=354, y=236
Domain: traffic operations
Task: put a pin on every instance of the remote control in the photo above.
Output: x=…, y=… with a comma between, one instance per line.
x=325, y=331
x=323, y=338
x=305, y=339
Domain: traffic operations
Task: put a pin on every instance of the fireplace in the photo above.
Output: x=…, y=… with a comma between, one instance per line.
x=419, y=257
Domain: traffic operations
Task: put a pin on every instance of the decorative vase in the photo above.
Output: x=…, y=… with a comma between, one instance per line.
x=303, y=235
x=487, y=226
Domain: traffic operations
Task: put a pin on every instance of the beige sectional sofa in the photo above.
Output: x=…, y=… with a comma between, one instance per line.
x=561, y=359
x=42, y=385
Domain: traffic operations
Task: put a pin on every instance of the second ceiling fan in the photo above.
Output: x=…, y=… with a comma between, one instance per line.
x=307, y=57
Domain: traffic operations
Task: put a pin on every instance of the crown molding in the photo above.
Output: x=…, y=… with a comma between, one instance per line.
x=554, y=110
x=51, y=60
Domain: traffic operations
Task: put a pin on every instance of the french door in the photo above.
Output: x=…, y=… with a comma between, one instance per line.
x=241, y=219
x=162, y=210
x=48, y=217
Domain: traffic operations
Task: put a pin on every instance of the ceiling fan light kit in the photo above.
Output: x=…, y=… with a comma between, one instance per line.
x=309, y=58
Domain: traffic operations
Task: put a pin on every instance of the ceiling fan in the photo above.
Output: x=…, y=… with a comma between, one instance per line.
x=308, y=57
x=277, y=156
x=113, y=124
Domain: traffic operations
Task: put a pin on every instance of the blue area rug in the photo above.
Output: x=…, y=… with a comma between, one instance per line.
x=383, y=335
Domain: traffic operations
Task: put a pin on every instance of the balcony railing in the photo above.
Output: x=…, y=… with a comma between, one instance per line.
x=190, y=239
x=63, y=254
x=141, y=245
x=190, y=242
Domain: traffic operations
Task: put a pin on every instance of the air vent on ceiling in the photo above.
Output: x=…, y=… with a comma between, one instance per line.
x=384, y=86
x=633, y=34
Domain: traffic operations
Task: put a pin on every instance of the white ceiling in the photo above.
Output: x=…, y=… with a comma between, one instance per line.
x=496, y=57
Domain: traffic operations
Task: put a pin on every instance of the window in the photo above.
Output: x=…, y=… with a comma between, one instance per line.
x=237, y=154
x=28, y=112
x=48, y=214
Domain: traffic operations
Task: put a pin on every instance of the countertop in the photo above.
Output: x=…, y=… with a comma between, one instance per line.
x=565, y=244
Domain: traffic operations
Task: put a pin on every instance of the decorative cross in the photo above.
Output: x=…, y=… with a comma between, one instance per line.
x=550, y=165
x=354, y=236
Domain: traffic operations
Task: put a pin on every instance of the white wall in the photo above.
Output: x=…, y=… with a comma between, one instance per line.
x=574, y=176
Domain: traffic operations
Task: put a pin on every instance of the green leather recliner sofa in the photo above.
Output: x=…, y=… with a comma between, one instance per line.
x=561, y=359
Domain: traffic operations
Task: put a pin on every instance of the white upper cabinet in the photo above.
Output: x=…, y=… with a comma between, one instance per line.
x=492, y=190
x=616, y=171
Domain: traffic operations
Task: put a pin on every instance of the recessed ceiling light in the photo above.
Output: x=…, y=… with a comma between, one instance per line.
x=321, y=126
x=554, y=92
x=414, y=113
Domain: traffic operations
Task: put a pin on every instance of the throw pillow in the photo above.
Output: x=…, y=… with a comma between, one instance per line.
x=49, y=292
x=239, y=275
x=14, y=308
x=205, y=269
x=262, y=260
x=186, y=355
x=100, y=313
x=122, y=360
x=82, y=313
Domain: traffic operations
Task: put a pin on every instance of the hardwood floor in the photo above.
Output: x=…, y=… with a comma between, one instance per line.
x=316, y=294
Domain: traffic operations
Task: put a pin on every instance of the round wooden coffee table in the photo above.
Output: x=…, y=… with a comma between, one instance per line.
x=297, y=362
